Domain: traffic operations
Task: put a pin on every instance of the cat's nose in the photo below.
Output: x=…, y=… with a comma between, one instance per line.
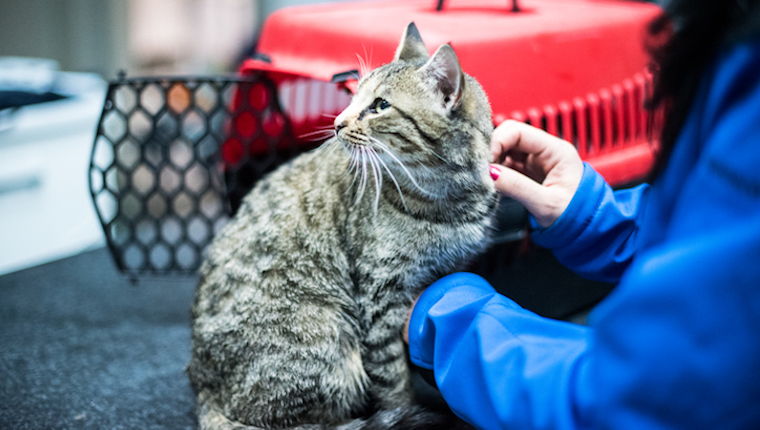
x=340, y=126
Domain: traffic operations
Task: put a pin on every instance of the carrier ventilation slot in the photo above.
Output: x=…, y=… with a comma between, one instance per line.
x=604, y=123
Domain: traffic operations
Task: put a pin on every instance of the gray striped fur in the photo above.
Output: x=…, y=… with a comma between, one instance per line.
x=300, y=302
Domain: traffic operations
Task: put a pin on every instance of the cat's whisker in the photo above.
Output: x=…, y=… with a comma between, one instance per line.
x=371, y=51
x=350, y=168
x=360, y=177
x=330, y=143
x=404, y=168
x=361, y=68
x=318, y=134
x=354, y=167
x=371, y=163
x=395, y=182
x=378, y=174
x=365, y=170
x=327, y=115
x=363, y=178
x=323, y=127
x=430, y=150
x=362, y=65
x=368, y=62
x=319, y=138
x=317, y=131
x=323, y=152
x=324, y=146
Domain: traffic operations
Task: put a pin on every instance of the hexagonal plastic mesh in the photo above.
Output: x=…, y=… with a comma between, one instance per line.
x=173, y=157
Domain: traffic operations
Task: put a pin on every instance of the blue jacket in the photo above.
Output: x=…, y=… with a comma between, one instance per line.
x=677, y=343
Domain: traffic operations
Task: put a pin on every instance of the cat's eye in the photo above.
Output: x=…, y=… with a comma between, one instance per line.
x=379, y=105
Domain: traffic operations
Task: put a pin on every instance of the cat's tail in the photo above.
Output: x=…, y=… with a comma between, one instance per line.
x=210, y=417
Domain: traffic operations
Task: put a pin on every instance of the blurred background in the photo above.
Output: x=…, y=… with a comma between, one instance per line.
x=56, y=57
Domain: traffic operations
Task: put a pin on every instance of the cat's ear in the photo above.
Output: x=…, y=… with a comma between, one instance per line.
x=444, y=74
x=411, y=47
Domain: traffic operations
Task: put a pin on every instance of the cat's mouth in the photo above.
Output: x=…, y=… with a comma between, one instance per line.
x=351, y=138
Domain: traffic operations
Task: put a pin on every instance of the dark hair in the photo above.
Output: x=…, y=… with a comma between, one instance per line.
x=682, y=42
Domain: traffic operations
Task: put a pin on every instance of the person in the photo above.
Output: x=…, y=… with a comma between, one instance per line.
x=677, y=342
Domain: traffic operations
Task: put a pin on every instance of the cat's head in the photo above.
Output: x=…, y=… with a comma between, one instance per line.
x=418, y=118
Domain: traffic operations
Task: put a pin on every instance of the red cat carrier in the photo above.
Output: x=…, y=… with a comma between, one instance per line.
x=173, y=156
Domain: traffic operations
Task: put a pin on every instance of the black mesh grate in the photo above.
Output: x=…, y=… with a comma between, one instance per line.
x=173, y=157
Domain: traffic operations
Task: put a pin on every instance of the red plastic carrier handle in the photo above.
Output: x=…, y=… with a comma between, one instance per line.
x=514, y=7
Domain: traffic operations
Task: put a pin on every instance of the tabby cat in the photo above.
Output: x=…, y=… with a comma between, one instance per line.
x=299, y=309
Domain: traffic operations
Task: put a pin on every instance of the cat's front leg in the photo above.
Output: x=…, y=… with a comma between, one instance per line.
x=384, y=354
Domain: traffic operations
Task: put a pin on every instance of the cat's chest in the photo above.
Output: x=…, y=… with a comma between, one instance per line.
x=401, y=249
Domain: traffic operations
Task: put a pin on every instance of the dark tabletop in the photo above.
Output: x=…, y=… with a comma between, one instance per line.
x=82, y=347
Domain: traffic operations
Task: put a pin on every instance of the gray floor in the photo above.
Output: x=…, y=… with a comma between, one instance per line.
x=84, y=348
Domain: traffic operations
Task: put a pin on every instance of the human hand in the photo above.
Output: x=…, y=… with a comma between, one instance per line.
x=537, y=169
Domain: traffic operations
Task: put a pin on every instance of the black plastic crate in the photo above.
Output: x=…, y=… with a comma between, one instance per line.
x=159, y=179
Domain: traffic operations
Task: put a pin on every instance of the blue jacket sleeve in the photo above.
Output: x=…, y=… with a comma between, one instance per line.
x=676, y=343
x=496, y=364
x=596, y=235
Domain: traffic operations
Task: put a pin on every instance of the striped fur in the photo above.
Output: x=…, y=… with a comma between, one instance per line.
x=300, y=302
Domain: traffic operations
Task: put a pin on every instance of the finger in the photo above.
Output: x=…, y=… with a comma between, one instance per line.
x=516, y=185
x=517, y=136
x=534, y=169
x=517, y=157
x=525, y=164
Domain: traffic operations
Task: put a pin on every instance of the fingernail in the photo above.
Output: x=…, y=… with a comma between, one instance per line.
x=495, y=172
